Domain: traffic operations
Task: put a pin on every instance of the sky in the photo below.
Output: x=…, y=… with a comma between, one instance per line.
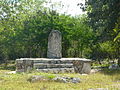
x=66, y=6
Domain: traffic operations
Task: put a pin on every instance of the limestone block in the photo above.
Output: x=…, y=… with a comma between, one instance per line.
x=86, y=68
x=82, y=67
x=66, y=65
x=24, y=65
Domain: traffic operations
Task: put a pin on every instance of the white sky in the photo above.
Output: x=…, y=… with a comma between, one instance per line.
x=68, y=6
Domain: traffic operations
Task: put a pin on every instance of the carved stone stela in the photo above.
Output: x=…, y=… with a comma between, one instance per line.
x=54, y=44
x=54, y=63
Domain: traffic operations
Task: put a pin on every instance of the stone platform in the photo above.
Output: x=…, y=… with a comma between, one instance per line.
x=62, y=65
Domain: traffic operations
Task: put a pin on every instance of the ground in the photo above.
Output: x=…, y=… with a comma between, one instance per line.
x=107, y=79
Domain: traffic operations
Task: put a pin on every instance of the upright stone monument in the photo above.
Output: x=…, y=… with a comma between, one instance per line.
x=54, y=44
x=54, y=63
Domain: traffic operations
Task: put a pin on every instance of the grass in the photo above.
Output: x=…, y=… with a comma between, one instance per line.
x=105, y=79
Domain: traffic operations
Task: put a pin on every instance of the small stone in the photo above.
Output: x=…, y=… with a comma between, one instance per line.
x=94, y=71
x=60, y=79
x=113, y=66
x=84, y=74
x=66, y=79
x=75, y=80
x=36, y=78
x=11, y=72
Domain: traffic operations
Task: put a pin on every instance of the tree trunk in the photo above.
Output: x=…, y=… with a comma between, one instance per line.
x=119, y=62
x=99, y=61
x=6, y=61
x=81, y=48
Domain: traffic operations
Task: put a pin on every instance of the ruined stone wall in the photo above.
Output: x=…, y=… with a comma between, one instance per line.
x=54, y=65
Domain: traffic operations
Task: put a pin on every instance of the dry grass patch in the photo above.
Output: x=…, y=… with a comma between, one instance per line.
x=104, y=79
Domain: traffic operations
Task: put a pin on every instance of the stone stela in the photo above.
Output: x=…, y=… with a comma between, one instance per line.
x=54, y=44
x=54, y=63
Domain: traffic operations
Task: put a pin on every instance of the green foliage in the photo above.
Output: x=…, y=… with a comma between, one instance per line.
x=117, y=31
x=26, y=25
x=103, y=17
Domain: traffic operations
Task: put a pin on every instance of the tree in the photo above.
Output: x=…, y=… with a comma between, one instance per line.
x=103, y=14
x=104, y=19
x=12, y=16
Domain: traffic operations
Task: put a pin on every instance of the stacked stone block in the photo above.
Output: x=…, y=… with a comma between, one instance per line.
x=63, y=65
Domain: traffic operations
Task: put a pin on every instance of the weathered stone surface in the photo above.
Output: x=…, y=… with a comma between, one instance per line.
x=57, y=70
x=62, y=79
x=44, y=65
x=86, y=68
x=37, y=78
x=67, y=79
x=62, y=65
x=114, y=66
x=54, y=44
x=93, y=71
x=24, y=65
x=75, y=80
x=82, y=66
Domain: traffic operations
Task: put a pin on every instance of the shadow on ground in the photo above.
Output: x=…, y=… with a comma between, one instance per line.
x=110, y=72
x=113, y=73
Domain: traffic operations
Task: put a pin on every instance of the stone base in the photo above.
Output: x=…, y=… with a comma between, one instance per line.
x=62, y=65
